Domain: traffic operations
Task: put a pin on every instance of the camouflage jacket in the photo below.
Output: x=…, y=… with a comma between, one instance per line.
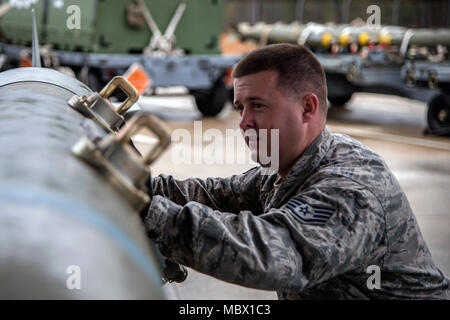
x=339, y=211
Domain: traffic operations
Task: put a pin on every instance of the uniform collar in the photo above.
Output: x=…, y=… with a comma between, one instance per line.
x=304, y=167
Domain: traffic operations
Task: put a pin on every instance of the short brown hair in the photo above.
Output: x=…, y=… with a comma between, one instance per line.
x=297, y=68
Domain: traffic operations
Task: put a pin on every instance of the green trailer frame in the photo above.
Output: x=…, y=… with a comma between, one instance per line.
x=104, y=26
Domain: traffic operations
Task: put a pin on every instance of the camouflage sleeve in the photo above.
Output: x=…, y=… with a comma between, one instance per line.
x=323, y=231
x=230, y=194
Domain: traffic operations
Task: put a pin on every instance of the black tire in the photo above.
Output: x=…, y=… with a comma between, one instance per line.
x=340, y=90
x=339, y=101
x=211, y=102
x=438, y=115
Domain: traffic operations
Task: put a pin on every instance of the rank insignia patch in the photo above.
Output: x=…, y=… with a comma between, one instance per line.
x=306, y=213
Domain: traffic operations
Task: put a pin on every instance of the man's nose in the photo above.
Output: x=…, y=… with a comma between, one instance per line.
x=247, y=120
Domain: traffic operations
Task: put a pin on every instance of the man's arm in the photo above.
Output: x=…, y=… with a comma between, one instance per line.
x=232, y=194
x=285, y=249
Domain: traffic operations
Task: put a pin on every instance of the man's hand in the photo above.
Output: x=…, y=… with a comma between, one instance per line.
x=173, y=272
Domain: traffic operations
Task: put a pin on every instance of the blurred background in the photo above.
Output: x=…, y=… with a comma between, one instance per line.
x=407, y=13
x=387, y=65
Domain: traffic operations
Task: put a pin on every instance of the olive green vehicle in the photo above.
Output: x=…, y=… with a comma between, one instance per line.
x=176, y=42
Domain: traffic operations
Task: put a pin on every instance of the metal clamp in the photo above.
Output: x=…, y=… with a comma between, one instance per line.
x=410, y=78
x=433, y=81
x=120, y=163
x=151, y=122
x=98, y=108
x=126, y=87
x=405, y=43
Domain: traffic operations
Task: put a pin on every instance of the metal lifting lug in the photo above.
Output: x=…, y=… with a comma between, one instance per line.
x=120, y=163
x=98, y=108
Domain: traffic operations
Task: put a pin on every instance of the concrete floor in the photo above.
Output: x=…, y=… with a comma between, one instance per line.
x=391, y=126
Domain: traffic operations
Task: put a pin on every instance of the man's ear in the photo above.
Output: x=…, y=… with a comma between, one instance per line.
x=310, y=106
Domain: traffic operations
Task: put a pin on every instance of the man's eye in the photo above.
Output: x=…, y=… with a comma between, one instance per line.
x=239, y=108
x=258, y=105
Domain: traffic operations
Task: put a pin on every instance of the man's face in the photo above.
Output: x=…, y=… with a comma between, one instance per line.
x=263, y=104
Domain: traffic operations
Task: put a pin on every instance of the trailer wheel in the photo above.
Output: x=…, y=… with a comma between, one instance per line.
x=339, y=101
x=438, y=115
x=340, y=90
x=211, y=101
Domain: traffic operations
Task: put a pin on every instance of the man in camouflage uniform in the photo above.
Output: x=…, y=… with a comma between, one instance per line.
x=311, y=230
